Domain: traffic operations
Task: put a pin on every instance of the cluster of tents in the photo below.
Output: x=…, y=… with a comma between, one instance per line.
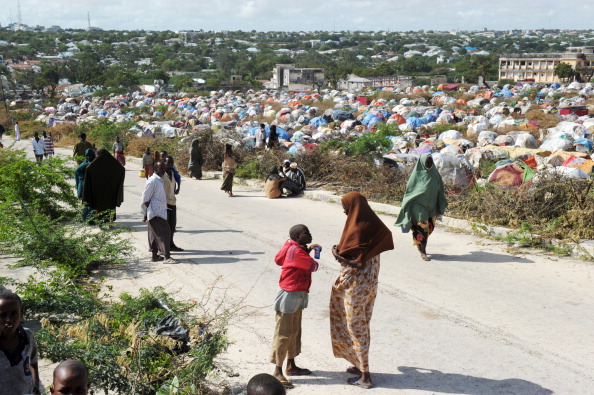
x=486, y=124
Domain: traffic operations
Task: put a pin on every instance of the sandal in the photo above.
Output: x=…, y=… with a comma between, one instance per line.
x=354, y=370
x=355, y=381
x=287, y=384
x=300, y=372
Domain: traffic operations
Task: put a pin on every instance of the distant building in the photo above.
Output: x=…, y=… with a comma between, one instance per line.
x=540, y=67
x=354, y=82
x=286, y=76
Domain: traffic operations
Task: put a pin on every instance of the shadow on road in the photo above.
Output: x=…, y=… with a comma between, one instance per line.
x=211, y=260
x=222, y=253
x=436, y=381
x=480, y=256
x=181, y=230
x=433, y=381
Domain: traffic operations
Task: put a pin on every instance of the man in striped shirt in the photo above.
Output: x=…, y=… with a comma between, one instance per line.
x=154, y=209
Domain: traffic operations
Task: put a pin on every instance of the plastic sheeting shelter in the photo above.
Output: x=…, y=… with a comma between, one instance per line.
x=282, y=133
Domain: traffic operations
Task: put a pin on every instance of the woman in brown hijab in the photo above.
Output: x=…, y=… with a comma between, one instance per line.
x=363, y=239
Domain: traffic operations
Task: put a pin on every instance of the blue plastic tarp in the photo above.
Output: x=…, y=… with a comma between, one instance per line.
x=282, y=133
x=588, y=143
x=318, y=121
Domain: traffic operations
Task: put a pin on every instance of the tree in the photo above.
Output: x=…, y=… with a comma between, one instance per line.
x=50, y=76
x=4, y=75
x=118, y=76
x=182, y=82
x=584, y=73
x=564, y=71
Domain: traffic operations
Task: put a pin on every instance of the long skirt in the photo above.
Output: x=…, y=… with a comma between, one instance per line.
x=195, y=170
x=228, y=181
x=351, y=306
x=121, y=158
x=422, y=230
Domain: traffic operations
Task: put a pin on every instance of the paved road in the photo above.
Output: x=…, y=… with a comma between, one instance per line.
x=474, y=320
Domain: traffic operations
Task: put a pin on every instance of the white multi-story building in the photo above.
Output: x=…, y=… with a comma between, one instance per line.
x=540, y=67
x=287, y=76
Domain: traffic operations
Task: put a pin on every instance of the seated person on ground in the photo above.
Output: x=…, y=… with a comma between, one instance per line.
x=272, y=185
x=297, y=176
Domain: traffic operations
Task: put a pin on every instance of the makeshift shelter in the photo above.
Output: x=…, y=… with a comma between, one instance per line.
x=511, y=174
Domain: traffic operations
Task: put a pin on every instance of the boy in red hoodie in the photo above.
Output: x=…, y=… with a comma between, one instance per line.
x=292, y=298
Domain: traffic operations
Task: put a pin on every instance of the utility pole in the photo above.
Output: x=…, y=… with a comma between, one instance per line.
x=20, y=19
x=89, y=20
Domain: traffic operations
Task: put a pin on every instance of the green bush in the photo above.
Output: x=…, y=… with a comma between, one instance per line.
x=250, y=169
x=103, y=132
x=38, y=218
x=119, y=346
x=370, y=144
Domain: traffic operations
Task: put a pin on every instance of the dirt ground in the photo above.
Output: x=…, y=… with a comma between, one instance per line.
x=474, y=320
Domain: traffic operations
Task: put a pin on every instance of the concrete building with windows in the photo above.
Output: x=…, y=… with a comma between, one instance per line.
x=540, y=67
x=286, y=76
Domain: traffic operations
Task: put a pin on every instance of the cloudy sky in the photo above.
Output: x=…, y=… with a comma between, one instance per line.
x=294, y=15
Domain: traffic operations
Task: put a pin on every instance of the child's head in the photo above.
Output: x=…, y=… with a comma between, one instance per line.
x=70, y=378
x=11, y=312
x=300, y=233
x=265, y=384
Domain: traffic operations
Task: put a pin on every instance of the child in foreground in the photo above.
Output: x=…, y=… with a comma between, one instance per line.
x=70, y=378
x=265, y=384
x=295, y=280
x=18, y=350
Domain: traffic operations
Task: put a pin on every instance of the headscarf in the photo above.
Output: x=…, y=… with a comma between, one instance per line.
x=104, y=182
x=195, y=156
x=273, y=174
x=364, y=235
x=80, y=171
x=424, y=197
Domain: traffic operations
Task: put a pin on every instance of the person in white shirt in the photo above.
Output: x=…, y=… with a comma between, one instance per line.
x=260, y=137
x=17, y=131
x=38, y=147
x=154, y=208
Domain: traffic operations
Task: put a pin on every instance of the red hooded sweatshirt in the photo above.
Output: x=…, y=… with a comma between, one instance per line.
x=297, y=267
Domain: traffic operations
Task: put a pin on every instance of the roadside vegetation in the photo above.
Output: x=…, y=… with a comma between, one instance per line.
x=116, y=337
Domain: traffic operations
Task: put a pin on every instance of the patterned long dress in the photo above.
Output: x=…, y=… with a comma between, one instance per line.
x=351, y=306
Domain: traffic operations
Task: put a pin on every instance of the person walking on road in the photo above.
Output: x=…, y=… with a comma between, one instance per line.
x=38, y=147
x=228, y=170
x=17, y=131
x=118, y=151
x=148, y=163
x=423, y=202
x=79, y=178
x=80, y=148
x=154, y=209
x=291, y=299
x=48, y=143
x=352, y=299
x=195, y=164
